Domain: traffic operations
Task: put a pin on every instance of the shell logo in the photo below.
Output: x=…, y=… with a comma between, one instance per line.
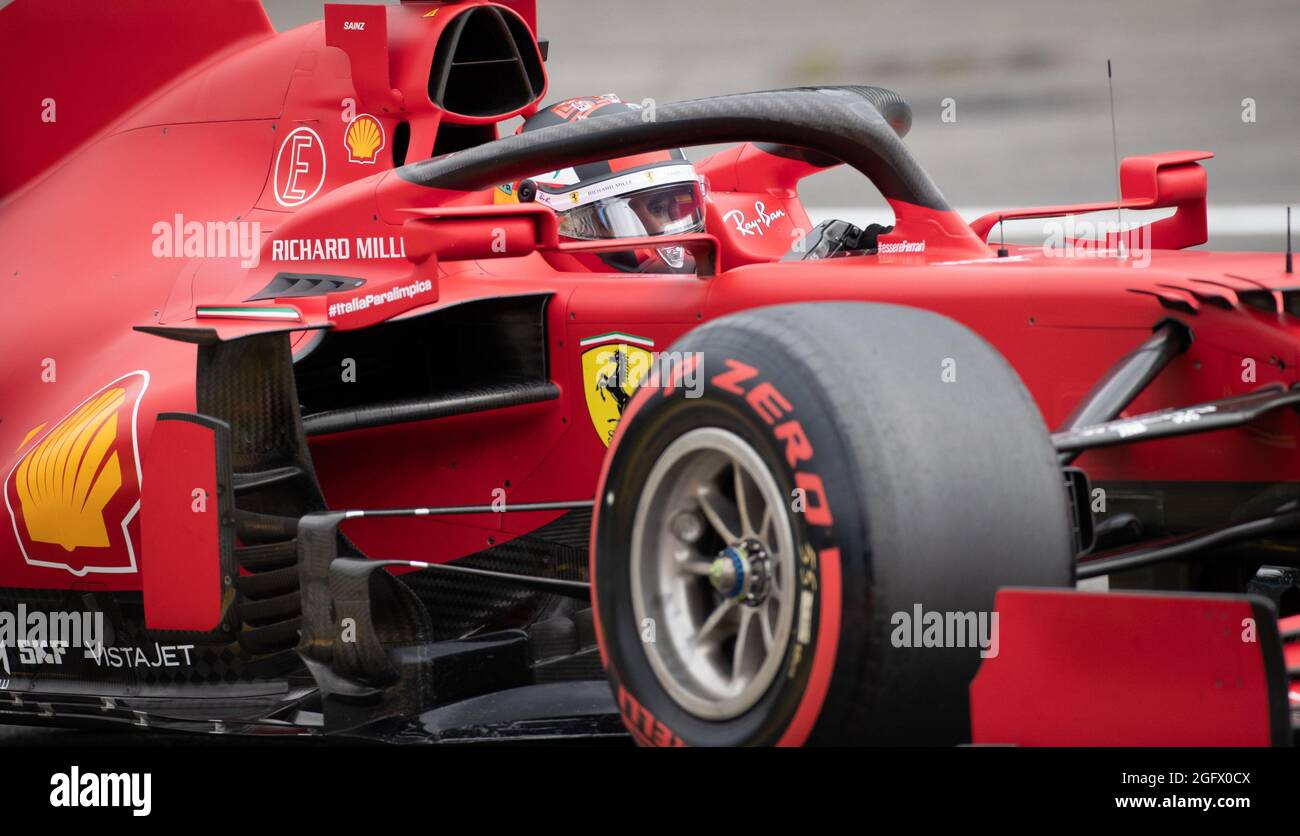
x=75, y=492
x=364, y=138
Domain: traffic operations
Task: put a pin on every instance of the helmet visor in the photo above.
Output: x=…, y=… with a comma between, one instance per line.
x=671, y=209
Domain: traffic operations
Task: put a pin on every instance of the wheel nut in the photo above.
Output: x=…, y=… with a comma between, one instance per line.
x=688, y=527
x=729, y=572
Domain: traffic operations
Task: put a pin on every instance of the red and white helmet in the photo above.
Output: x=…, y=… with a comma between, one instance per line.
x=640, y=196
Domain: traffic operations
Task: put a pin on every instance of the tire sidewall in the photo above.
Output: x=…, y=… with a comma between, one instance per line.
x=764, y=397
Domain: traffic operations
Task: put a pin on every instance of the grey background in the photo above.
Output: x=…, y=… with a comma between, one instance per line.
x=1028, y=78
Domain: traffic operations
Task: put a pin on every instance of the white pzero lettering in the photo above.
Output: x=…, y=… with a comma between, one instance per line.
x=806, y=600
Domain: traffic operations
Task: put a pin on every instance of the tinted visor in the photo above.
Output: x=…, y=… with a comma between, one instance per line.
x=671, y=209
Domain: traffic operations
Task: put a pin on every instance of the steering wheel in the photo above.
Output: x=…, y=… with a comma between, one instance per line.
x=836, y=239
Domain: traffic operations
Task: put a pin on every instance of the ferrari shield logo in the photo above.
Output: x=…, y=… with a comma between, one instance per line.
x=75, y=492
x=612, y=367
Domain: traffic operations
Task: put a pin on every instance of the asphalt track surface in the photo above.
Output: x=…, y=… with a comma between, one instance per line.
x=1027, y=77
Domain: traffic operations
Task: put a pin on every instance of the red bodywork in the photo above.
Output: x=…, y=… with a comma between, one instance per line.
x=80, y=239
x=1107, y=692
x=208, y=115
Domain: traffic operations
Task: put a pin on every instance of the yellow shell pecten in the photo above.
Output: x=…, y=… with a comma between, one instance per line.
x=64, y=482
x=364, y=138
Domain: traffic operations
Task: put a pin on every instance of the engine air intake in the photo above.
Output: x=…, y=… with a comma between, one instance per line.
x=487, y=64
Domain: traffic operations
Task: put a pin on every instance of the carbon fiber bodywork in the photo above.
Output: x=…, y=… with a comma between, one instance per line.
x=460, y=606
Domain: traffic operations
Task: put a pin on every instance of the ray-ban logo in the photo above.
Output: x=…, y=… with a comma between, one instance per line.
x=759, y=225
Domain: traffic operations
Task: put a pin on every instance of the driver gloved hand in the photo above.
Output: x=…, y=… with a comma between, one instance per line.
x=835, y=239
x=867, y=241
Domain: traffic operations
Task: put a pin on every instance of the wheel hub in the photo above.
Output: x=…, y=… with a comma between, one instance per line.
x=713, y=567
x=742, y=572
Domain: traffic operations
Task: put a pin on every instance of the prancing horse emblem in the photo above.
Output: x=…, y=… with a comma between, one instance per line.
x=613, y=365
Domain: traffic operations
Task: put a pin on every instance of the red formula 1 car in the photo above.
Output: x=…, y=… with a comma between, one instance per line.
x=309, y=424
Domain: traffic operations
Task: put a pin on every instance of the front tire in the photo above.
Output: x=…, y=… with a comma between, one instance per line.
x=756, y=546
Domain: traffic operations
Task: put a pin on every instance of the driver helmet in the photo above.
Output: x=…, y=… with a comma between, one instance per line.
x=641, y=196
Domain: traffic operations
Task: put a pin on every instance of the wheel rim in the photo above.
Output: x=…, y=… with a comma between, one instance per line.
x=712, y=563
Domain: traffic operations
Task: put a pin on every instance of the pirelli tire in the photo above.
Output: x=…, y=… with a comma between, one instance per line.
x=906, y=471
